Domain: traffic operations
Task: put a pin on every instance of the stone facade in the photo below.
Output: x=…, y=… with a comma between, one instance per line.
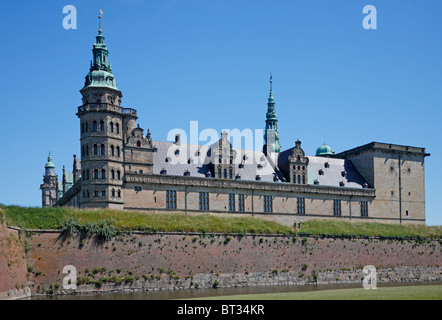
x=123, y=168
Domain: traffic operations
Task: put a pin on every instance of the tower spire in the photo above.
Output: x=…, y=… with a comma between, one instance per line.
x=271, y=136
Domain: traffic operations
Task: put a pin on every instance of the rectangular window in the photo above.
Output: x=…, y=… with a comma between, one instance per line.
x=336, y=207
x=364, y=209
x=171, y=199
x=231, y=202
x=300, y=205
x=204, y=201
x=96, y=193
x=241, y=206
x=103, y=193
x=268, y=204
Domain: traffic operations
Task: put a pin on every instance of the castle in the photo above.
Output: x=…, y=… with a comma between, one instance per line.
x=121, y=167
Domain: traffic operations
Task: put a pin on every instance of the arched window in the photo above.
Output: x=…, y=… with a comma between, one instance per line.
x=113, y=192
x=225, y=173
x=94, y=126
x=102, y=150
x=119, y=193
x=103, y=174
x=113, y=174
x=95, y=150
x=118, y=175
x=96, y=174
x=112, y=151
x=117, y=127
x=118, y=151
x=82, y=128
x=82, y=151
x=111, y=126
x=102, y=125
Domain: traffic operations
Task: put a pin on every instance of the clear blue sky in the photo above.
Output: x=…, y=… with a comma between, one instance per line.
x=177, y=61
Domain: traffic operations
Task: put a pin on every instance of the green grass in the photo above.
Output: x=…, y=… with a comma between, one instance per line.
x=427, y=292
x=365, y=229
x=55, y=218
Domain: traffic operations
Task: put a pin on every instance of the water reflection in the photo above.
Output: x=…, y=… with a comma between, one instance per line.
x=198, y=293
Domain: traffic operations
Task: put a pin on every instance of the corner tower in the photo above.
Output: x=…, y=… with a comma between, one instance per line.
x=104, y=125
x=49, y=188
x=271, y=135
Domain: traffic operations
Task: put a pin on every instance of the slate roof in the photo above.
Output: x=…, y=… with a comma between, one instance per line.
x=250, y=164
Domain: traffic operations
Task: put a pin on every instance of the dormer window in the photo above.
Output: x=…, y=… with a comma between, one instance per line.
x=177, y=152
x=326, y=165
x=187, y=173
x=164, y=171
x=155, y=149
x=341, y=183
x=259, y=166
x=343, y=173
x=241, y=165
x=321, y=172
x=238, y=177
x=258, y=178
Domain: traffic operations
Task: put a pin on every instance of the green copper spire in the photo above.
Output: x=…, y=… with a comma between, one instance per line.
x=271, y=135
x=100, y=72
x=49, y=164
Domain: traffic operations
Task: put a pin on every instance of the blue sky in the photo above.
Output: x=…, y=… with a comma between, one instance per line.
x=210, y=60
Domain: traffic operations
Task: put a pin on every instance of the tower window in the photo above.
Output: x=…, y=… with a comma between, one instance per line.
x=112, y=151
x=300, y=202
x=111, y=126
x=241, y=203
x=118, y=151
x=86, y=127
x=231, y=202
x=101, y=125
x=112, y=174
x=364, y=209
x=82, y=128
x=96, y=174
x=204, y=201
x=119, y=193
x=230, y=174
x=138, y=143
x=117, y=127
x=103, y=174
x=225, y=173
x=95, y=150
x=102, y=150
x=170, y=199
x=87, y=151
x=118, y=175
x=113, y=193
x=94, y=126
x=336, y=207
x=268, y=204
x=103, y=193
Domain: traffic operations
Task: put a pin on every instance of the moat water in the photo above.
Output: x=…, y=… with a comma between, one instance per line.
x=201, y=293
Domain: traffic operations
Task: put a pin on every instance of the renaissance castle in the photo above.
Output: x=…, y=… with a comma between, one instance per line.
x=121, y=167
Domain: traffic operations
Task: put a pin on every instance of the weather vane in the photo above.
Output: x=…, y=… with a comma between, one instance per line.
x=99, y=17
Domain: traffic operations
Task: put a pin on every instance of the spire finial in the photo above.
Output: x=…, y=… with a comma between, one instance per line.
x=271, y=81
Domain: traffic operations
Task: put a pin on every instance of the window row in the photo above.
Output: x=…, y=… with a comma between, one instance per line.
x=299, y=179
x=99, y=127
x=237, y=203
x=100, y=150
x=97, y=193
x=225, y=173
x=337, y=208
x=101, y=174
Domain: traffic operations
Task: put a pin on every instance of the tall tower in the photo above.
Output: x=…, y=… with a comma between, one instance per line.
x=104, y=126
x=49, y=188
x=271, y=135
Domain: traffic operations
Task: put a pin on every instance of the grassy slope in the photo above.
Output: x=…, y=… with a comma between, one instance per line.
x=430, y=292
x=53, y=218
